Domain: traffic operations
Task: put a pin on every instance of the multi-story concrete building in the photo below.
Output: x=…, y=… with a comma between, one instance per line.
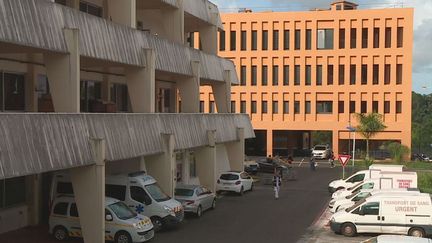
x=312, y=71
x=109, y=56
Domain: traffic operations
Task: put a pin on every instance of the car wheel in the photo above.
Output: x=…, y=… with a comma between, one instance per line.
x=349, y=230
x=60, y=233
x=241, y=191
x=213, y=204
x=199, y=211
x=157, y=223
x=416, y=232
x=122, y=237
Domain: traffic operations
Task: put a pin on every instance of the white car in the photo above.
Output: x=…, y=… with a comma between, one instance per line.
x=234, y=181
x=321, y=151
x=397, y=239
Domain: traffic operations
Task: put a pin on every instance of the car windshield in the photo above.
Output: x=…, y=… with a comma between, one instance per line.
x=122, y=211
x=182, y=192
x=156, y=193
x=361, y=195
x=358, y=203
x=320, y=148
x=351, y=196
x=349, y=189
x=229, y=177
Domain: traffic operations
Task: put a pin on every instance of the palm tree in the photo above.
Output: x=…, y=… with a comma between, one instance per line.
x=369, y=125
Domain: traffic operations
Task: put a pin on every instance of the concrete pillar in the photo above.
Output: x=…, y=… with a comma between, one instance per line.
x=186, y=167
x=163, y=167
x=269, y=142
x=190, y=90
x=236, y=151
x=208, y=36
x=335, y=143
x=206, y=162
x=63, y=73
x=173, y=22
x=30, y=88
x=141, y=84
x=34, y=183
x=89, y=189
x=222, y=93
x=122, y=12
x=105, y=92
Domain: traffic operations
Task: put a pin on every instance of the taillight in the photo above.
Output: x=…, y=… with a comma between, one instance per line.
x=218, y=181
x=188, y=202
x=238, y=182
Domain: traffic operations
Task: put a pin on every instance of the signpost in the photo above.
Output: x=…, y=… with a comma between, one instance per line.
x=343, y=159
x=353, y=129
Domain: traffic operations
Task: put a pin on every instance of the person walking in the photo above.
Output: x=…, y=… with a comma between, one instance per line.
x=312, y=163
x=331, y=159
x=276, y=183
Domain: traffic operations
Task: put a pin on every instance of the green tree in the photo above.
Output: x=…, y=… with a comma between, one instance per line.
x=397, y=151
x=369, y=125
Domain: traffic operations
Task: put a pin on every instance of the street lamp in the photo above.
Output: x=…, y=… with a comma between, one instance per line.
x=353, y=129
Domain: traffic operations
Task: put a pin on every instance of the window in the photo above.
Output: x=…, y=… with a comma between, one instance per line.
x=286, y=107
x=308, y=75
x=325, y=39
x=371, y=208
x=12, y=92
x=376, y=38
x=12, y=192
x=375, y=74
x=352, y=74
x=356, y=178
x=275, y=40
x=387, y=37
x=254, y=75
x=386, y=107
x=324, y=107
x=297, y=40
x=61, y=208
x=286, y=75
x=307, y=107
x=364, y=74
x=399, y=74
x=341, y=74
x=264, y=107
x=222, y=41
x=329, y=74
x=120, y=96
x=338, y=7
x=115, y=191
x=243, y=75
x=90, y=9
x=308, y=39
x=265, y=40
x=243, y=40
x=264, y=75
x=191, y=39
x=319, y=75
x=201, y=106
x=233, y=106
x=275, y=75
x=341, y=106
x=398, y=107
x=138, y=194
x=387, y=70
x=275, y=107
x=365, y=38
x=211, y=107
x=253, y=107
x=91, y=93
x=242, y=106
x=400, y=37
x=296, y=107
x=297, y=75
x=232, y=40
x=352, y=107
x=341, y=38
x=363, y=108
x=286, y=39
x=353, y=41
x=64, y=188
x=254, y=40
x=375, y=106
x=73, y=211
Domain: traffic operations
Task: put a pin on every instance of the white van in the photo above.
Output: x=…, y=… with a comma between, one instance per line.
x=121, y=223
x=346, y=202
x=139, y=191
x=388, y=214
x=362, y=175
x=386, y=180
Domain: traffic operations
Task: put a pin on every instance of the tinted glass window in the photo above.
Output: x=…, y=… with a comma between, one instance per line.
x=64, y=188
x=371, y=208
x=61, y=208
x=115, y=191
x=73, y=210
x=138, y=194
x=184, y=192
x=229, y=177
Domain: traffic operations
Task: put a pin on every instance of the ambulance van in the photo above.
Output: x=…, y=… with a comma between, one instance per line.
x=386, y=214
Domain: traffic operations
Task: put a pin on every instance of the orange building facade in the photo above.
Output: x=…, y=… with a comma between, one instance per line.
x=312, y=71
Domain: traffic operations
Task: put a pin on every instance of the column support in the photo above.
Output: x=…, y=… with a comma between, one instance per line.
x=222, y=93
x=236, y=151
x=189, y=90
x=206, y=162
x=270, y=142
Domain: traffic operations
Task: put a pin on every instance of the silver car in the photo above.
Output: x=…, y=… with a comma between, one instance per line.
x=195, y=199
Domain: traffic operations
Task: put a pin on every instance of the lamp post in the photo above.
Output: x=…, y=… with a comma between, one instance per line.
x=353, y=129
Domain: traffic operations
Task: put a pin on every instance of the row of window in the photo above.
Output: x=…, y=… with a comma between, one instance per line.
x=319, y=75
x=322, y=107
x=86, y=7
x=324, y=39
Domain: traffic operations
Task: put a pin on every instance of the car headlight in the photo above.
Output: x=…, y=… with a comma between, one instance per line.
x=170, y=211
x=332, y=202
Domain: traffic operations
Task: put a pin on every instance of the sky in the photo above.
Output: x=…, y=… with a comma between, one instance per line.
x=422, y=53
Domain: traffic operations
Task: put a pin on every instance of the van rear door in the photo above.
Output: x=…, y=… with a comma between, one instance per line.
x=386, y=183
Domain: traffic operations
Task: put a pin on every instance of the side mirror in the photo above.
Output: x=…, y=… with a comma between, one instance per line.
x=147, y=200
x=108, y=217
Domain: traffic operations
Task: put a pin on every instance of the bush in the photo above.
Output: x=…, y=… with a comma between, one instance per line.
x=425, y=182
x=397, y=151
x=368, y=162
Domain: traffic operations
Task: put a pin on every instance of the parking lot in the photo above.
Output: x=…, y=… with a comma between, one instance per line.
x=255, y=217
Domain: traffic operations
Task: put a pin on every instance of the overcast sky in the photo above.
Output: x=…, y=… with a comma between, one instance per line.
x=422, y=66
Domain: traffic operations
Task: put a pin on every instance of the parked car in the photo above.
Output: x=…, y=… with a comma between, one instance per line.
x=122, y=224
x=321, y=151
x=251, y=167
x=397, y=239
x=268, y=165
x=195, y=198
x=234, y=181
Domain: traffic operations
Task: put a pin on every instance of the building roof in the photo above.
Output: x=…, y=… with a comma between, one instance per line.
x=344, y=2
